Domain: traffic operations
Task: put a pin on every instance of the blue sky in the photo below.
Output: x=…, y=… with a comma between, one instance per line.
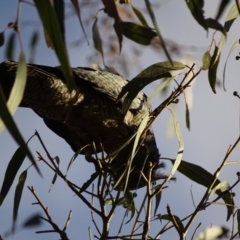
x=214, y=126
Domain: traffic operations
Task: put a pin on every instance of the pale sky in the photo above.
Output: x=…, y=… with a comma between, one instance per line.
x=214, y=126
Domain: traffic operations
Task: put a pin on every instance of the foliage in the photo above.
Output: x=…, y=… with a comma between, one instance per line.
x=100, y=197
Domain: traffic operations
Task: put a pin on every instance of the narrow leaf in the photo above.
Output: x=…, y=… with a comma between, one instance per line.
x=89, y=182
x=5, y=114
x=32, y=221
x=2, y=39
x=139, y=34
x=157, y=199
x=76, y=5
x=206, y=60
x=12, y=169
x=231, y=17
x=18, y=194
x=50, y=23
x=152, y=16
x=177, y=219
x=235, y=44
x=203, y=177
x=97, y=38
x=238, y=221
x=148, y=75
x=187, y=117
x=10, y=46
x=140, y=16
x=212, y=73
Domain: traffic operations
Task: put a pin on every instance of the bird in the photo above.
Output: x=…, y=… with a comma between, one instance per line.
x=89, y=117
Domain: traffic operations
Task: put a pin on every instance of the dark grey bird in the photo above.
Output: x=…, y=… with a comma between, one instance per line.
x=89, y=113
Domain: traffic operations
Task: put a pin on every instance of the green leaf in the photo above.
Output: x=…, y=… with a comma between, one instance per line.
x=10, y=47
x=196, y=8
x=178, y=160
x=212, y=23
x=58, y=6
x=140, y=16
x=238, y=221
x=75, y=155
x=158, y=199
x=32, y=221
x=206, y=60
x=129, y=203
x=13, y=102
x=161, y=87
x=97, y=38
x=137, y=33
x=148, y=75
x=212, y=72
x=204, y=178
x=2, y=39
x=177, y=219
x=235, y=44
x=76, y=6
x=12, y=169
x=222, y=7
x=231, y=17
x=187, y=117
x=57, y=159
x=50, y=23
x=18, y=194
x=89, y=182
x=140, y=130
x=33, y=45
x=155, y=24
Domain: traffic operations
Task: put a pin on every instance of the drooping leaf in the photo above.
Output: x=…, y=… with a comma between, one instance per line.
x=223, y=5
x=18, y=194
x=238, y=221
x=57, y=159
x=212, y=23
x=97, y=38
x=111, y=9
x=162, y=87
x=231, y=17
x=10, y=46
x=206, y=60
x=140, y=130
x=178, y=160
x=76, y=154
x=212, y=72
x=204, y=178
x=235, y=44
x=137, y=33
x=76, y=5
x=33, y=45
x=33, y=221
x=12, y=169
x=155, y=24
x=14, y=100
x=58, y=6
x=196, y=8
x=129, y=201
x=89, y=182
x=177, y=219
x=140, y=16
x=148, y=75
x=50, y=23
x=157, y=200
x=187, y=116
x=2, y=39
